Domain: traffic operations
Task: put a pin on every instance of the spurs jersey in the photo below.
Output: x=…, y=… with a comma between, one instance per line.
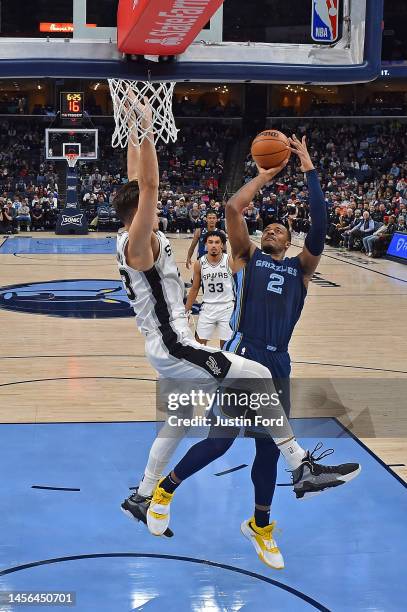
x=217, y=281
x=156, y=295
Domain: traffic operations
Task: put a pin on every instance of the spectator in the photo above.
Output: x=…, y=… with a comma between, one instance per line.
x=162, y=213
x=23, y=216
x=7, y=218
x=251, y=215
x=37, y=216
x=381, y=236
x=269, y=209
x=401, y=224
x=194, y=217
x=347, y=233
x=362, y=230
x=181, y=215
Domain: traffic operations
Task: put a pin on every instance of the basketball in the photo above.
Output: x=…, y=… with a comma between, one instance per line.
x=270, y=148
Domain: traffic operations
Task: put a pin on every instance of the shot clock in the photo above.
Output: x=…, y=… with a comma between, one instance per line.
x=71, y=105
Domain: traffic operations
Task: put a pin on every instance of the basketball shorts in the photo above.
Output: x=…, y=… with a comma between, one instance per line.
x=213, y=319
x=278, y=363
x=175, y=354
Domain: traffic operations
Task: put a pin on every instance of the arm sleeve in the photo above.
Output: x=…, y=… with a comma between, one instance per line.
x=315, y=239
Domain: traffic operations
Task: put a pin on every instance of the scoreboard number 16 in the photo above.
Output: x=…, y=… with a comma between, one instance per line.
x=71, y=104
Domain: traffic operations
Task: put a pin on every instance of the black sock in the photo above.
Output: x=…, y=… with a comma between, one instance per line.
x=169, y=485
x=262, y=517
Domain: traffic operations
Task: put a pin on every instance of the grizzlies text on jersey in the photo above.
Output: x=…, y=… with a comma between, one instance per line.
x=270, y=296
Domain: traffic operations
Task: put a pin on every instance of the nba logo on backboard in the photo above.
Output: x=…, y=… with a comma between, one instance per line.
x=325, y=20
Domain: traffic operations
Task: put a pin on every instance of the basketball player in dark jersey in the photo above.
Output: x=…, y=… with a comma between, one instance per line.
x=270, y=293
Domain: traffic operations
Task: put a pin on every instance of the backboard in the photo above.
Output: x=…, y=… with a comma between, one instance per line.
x=295, y=41
x=60, y=142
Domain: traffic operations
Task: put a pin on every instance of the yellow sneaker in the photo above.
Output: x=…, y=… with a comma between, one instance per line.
x=158, y=513
x=264, y=543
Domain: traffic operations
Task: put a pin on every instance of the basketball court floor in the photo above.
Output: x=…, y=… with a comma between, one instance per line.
x=77, y=406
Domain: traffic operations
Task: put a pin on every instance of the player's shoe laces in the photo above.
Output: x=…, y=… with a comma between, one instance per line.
x=136, y=507
x=311, y=478
x=158, y=512
x=263, y=542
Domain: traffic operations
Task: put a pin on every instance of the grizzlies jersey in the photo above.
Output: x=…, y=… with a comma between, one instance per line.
x=201, y=243
x=217, y=281
x=270, y=296
x=155, y=295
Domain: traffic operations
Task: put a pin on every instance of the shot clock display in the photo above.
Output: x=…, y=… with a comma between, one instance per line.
x=71, y=105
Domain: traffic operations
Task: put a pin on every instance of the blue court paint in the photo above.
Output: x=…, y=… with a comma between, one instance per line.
x=58, y=246
x=344, y=549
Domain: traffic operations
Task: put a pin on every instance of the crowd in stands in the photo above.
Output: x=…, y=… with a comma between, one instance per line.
x=190, y=171
x=363, y=171
x=28, y=185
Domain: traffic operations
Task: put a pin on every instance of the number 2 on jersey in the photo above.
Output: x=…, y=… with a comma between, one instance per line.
x=275, y=284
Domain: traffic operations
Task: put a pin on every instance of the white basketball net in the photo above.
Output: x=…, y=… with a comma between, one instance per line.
x=126, y=96
x=71, y=158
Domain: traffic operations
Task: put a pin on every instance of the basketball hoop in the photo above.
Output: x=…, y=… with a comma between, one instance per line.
x=127, y=96
x=71, y=159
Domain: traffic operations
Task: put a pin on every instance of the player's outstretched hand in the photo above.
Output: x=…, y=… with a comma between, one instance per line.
x=299, y=147
x=143, y=110
x=272, y=172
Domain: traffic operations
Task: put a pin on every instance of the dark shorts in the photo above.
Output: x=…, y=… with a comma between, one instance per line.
x=279, y=366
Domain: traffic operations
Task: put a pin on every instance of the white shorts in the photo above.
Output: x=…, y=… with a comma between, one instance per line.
x=184, y=357
x=215, y=318
x=168, y=361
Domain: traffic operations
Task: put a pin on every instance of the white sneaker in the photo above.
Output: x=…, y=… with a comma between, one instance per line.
x=264, y=543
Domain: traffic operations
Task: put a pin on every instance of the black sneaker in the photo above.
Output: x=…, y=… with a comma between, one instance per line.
x=311, y=479
x=136, y=507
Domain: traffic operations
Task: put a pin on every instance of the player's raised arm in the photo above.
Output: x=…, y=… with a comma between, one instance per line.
x=133, y=157
x=238, y=234
x=140, y=251
x=315, y=239
x=133, y=147
x=196, y=285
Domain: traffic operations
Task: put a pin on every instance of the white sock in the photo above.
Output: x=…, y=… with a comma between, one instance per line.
x=148, y=484
x=161, y=451
x=292, y=452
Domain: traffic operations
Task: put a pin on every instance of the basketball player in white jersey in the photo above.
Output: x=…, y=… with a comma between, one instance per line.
x=213, y=272
x=156, y=291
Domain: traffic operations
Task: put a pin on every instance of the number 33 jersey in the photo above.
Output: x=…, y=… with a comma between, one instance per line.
x=217, y=281
x=156, y=295
x=270, y=296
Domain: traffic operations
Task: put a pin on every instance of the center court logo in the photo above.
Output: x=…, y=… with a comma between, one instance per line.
x=83, y=299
